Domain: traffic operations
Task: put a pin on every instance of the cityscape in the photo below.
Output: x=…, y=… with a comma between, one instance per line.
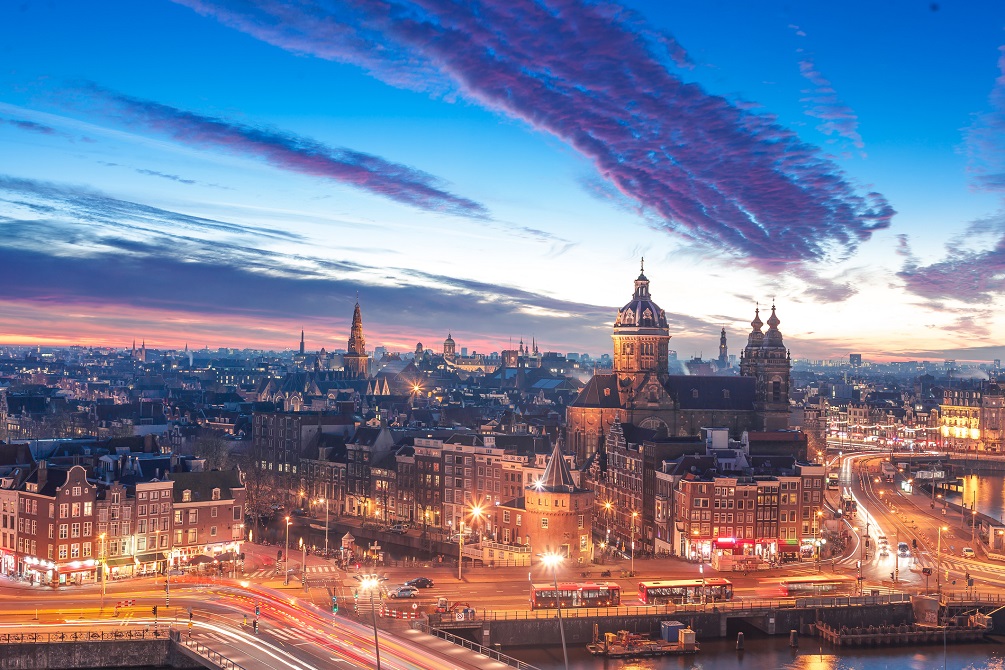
x=484, y=335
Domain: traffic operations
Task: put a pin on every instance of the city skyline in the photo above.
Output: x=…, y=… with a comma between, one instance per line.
x=226, y=174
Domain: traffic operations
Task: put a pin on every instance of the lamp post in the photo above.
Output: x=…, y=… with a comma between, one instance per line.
x=634, y=514
x=701, y=571
x=938, y=574
x=370, y=584
x=460, y=548
x=286, y=554
x=816, y=542
x=104, y=568
x=325, y=501
x=553, y=560
x=303, y=564
x=607, y=508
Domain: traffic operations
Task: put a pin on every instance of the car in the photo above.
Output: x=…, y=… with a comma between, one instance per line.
x=903, y=549
x=420, y=583
x=884, y=551
x=969, y=553
x=399, y=528
x=402, y=592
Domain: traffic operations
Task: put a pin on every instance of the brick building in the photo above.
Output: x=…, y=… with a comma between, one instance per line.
x=208, y=514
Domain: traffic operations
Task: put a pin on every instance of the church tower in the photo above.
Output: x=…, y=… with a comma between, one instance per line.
x=301, y=343
x=723, y=352
x=355, y=361
x=641, y=335
x=767, y=360
x=449, y=348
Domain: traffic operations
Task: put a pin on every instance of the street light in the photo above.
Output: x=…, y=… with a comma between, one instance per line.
x=816, y=543
x=701, y=571
x=286, y=555
x=104, y=568
x=553, y=560
x=325, y=501
x=476, y=513
x=938, y=574
x=371, y=584
x=634, y=514
x=607, y=508
x=303, y=565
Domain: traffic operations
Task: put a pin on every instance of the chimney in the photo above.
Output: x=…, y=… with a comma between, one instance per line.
x=43, y=473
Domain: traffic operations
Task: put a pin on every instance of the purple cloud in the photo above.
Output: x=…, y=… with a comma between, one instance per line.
x=291, y=152
x=163, y=175
x=967, y=275
x=31, y=126
x=823, y=103
x=985, y=138
x=594, y=76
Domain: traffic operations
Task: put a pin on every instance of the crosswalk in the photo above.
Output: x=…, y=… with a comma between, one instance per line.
x=268, y=573
x=276, y=632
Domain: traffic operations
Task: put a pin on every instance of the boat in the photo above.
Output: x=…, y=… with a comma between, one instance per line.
x=631, y=645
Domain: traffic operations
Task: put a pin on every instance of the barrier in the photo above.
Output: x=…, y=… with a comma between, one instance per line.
x=396, y=614
x=83, y=636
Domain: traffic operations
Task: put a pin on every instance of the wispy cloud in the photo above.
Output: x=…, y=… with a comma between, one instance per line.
x=594, y=76
x=985, y=138
x=172, y=177
x=822, y=101
x=289, y=151
x=32, y=126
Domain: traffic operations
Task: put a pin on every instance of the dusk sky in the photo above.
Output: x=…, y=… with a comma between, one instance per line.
x=225, y=173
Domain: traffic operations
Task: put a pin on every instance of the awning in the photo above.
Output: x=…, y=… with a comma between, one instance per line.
x=201, y=558
x=149, y=557
x=119, y=561
x=226, y=556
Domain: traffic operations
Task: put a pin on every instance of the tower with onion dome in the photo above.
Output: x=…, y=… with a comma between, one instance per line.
x=766, y=359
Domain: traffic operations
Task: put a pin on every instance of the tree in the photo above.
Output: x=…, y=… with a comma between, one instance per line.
x=215, y=449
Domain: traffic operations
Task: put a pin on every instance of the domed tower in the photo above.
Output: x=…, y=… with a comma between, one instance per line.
x=641, y=335
x=355, y=361
x=723, y=350
x=449, y=348
x=766, y=359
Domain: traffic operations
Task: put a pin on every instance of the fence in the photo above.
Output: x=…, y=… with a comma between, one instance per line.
x=214, y=657
x=473, y=646
x=83, y=636
x=671, y=609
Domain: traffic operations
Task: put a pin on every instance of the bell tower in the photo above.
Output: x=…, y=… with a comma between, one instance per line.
x=767, y=360
x=356, y=361
x=641, y=335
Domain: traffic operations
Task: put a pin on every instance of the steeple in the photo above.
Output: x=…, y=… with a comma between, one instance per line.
x=301, y=341
x=557, y=476
x=723, y=353
x=355, y=360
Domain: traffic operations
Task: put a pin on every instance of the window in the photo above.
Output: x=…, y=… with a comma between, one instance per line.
x=62, y=551
x=544, y=522
x=142, y=510
x=179, y=536
x=581, y=521
x=141, y=526
x=505, y=516
x=63, y=531
x=64, y=510
x=519, y=519
x=87, y=509
x=213, y=512
x=193, y=535
x=75, y=509
x=154, y=495
x=76, y=491
x=237, y=512
x=212, y=531
x=186, y=496
x=215, y=495
x=178, y=516
x=193, y=516
x=74, y=551
x=75, y=530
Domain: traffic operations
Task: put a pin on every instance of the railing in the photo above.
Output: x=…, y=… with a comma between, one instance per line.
x=473, y=646
x=214, y=657
x=972, y=597
x=753, y=606
x=83, y=636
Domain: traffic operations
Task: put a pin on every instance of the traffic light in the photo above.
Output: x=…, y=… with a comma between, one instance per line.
x=914, y=543
x=154, y=610
x=334, y=605
x=189, y=613
x=258, y=609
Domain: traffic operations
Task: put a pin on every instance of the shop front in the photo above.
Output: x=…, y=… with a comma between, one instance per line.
x=76, y=573
x=8, y=563
x=149, y=563
x=120, y=567
x=38, y=571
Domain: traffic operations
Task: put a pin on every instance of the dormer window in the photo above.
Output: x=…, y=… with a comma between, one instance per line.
x=186, y=495
x=694, y=393
x=216, y=494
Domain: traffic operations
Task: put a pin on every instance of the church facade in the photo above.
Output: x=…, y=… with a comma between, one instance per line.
x=640, y=390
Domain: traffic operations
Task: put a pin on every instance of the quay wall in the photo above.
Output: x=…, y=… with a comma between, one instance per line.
x=99, y=654
x=707, y=625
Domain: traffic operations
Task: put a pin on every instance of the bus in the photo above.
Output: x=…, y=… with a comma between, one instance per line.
x=575, y=594
x=832, y=481
x=681, y=591
x=817, y=586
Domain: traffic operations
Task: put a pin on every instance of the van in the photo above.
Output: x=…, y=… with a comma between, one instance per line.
x=399, y=528
x=969, y=553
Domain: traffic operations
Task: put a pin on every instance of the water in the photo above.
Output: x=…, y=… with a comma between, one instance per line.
x=774, y=652
x=990, y=492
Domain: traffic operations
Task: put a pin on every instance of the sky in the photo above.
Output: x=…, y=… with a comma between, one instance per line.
x=227, y=173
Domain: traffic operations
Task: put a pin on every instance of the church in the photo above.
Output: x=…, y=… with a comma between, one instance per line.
x=641, y=391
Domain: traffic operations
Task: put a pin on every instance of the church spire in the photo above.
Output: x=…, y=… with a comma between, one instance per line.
x=301, y=341
x=356, y=361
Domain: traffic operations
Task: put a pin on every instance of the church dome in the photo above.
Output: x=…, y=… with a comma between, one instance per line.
x=449, y=340
x=641, y=312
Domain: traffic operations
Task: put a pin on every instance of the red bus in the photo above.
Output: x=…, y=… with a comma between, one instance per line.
x=575, y=594
x=685, y=591
x=817, y=586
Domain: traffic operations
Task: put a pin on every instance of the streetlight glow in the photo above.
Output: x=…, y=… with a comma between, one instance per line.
x=552, y=560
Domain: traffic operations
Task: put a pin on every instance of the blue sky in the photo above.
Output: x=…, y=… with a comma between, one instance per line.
x=224, y=173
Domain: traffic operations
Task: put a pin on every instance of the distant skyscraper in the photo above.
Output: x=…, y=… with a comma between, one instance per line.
x=855, y=360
